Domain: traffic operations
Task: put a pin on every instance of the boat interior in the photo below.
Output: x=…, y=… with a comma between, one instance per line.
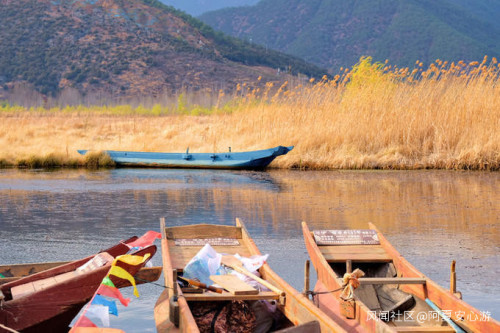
x=185, y=242
x=381, y=288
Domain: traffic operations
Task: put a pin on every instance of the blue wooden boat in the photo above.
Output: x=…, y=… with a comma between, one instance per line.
x=257, y=159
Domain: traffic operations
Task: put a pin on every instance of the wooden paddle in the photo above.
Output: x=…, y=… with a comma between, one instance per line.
x=237, y=265
x=201, y=285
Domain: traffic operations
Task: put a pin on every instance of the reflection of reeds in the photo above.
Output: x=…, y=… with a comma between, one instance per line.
x=373, y=116
x=464, y=204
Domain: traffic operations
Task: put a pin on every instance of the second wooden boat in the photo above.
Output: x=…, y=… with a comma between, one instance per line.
x=257, y=159
x=47, y=301
x=9, y=273
x=175, y=308
x=393, y=296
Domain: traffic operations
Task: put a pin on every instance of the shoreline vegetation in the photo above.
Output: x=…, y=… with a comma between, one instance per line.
x=372, y=116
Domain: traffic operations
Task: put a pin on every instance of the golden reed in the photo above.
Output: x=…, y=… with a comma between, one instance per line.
x=373, y=116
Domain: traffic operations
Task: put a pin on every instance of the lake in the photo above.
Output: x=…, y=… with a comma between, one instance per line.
x=431, y=217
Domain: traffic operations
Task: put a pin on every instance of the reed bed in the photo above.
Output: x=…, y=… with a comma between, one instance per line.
x=372, y=116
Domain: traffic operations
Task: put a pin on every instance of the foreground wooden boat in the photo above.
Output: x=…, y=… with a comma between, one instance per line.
x=47, y=301
x=174, y=308
x=13, y=272
x=257, y=159
x=393, y=296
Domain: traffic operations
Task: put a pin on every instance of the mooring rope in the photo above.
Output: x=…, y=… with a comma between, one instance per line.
x=314, y=293
x=156, y=284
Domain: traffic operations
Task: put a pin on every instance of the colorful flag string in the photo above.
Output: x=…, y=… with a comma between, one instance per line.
x=99, y=307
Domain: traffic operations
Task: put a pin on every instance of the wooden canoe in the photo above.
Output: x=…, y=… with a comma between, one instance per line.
x=257, y=159
x=393, y=296
x=16, y=271
x=47, y=301
x=13, y=272
x=299, y=313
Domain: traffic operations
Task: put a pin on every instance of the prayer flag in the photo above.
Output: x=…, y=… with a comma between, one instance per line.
x=112, y=309
x=99, y=311
x=131, y=259
x=106, y=290
x=121, y=273
x=84, y=322
x=147, y=239
x=107, y=282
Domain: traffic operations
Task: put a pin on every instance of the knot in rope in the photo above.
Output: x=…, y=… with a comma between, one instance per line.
x=350, y=282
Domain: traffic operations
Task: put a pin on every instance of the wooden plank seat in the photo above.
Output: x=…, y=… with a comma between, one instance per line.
x=392, y=280
x=355, y=253
x=203, y=231
x=227, y=296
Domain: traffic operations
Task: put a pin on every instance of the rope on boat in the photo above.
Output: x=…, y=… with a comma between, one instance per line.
x=308, y=292
x=351, y=282
x=156, y=284
x=8, y=329
x=314, y=293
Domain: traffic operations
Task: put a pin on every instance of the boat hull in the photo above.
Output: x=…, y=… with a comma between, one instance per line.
x=243, y=160
x=52, y=309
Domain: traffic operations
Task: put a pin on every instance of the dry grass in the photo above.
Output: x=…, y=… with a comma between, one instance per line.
x=446, y=117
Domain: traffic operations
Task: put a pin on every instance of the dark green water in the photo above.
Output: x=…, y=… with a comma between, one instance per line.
x=431, y=217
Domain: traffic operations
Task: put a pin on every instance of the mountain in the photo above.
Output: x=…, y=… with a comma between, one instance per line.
x=197, y=7
x=488, y=10
x=335, y=33
x=125, y=48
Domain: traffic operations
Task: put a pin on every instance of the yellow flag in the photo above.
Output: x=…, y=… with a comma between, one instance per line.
x=131, y=259
x=121, y=273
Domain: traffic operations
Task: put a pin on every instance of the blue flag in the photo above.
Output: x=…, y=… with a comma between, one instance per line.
x=98, y=299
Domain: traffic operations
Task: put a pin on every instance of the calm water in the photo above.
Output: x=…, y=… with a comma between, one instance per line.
x=431, y=217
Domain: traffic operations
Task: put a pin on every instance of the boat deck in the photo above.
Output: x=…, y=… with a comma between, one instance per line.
x=186, y=241
x=355, y=253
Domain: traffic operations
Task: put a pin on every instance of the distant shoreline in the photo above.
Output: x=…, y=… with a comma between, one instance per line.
x=373, y=117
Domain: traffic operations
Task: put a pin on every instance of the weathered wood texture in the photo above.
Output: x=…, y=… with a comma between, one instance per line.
x=226, y=296
x=355, y=253
x=234, y=284
x=202, y=231
x=395, y=280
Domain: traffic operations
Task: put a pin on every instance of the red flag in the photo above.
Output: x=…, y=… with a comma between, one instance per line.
x=147, y=239
x=105, y=290
x=84, y=322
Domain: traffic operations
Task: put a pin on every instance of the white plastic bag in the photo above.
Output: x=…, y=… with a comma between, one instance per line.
x=205, y=263
x=253, y=263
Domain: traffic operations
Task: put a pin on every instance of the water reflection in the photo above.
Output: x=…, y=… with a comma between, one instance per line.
x=432, y=217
